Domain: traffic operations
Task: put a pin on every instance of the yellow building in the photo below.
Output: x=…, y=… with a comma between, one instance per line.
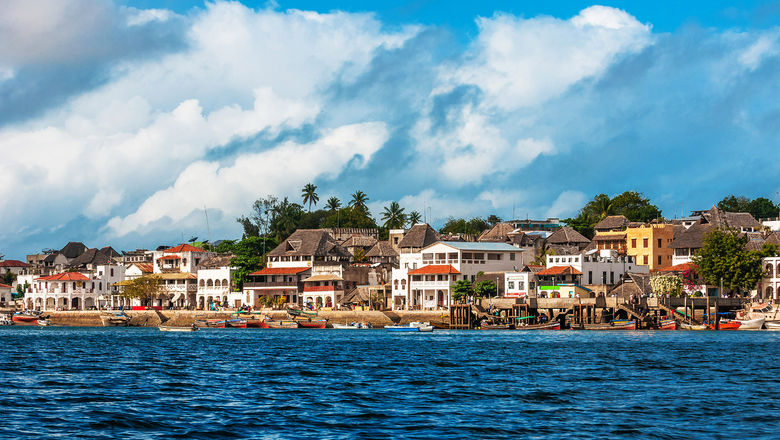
x=649, y=244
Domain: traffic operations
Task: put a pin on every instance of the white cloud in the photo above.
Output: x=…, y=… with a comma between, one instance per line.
x=566, y=204
x=139, y=17
x=276, y=171
x=763, y=47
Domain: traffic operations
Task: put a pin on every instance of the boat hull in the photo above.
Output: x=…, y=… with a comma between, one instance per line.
x=236, y=323
x=281, y=324
x=772, y=325
x=693, y=327
x=752, y=324
x=730, y=325
x=631, y=325
x=25, y=319
x=313, y=324
x=256, y=323
x=668, y=325
x=546, y=326
x=165, y=328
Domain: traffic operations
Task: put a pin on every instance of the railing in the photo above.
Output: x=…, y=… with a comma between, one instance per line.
x=430, y=284
x=285, y=284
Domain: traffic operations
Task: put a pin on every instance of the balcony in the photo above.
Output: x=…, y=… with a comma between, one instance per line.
x=275, y=285
x=430, y=284
x=321, y=288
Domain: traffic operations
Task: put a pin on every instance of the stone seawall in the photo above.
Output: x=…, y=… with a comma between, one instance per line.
x=153, y=318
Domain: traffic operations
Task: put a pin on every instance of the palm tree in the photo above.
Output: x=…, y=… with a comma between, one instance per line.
x=602, y=205
x=394, y=216
x=309, y=194
x=359, y=200
x=334, y=203
x=414, y=218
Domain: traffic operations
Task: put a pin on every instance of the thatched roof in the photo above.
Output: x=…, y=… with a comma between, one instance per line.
x=692, y=237
x=419, y=236
x=73, y=249
x=498, y=233
x=92, y=257
x=310, y=242
x=382, y=249
x=359, y=241
x=567, y=235
x=612, y=222
x=737, y=220
x=217, y=261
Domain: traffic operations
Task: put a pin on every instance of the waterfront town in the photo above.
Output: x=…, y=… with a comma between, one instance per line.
x=630, y=270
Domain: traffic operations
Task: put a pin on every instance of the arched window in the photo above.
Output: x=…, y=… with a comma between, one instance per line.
x=769, y=271
x=209, y=283
x=403, y=284
x=395, y=284
x=778, y=268
x=769, y=292
x=202, y=282
x=217, y=283
x=225, y=283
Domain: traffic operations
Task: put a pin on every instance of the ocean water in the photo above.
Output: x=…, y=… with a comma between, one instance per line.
x=140, y=383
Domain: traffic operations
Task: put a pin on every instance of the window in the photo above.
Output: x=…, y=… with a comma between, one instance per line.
x=512, y=256
x=521, y=285
x=427, y=256
x=644, y=258
x=633, y=242
x=590, y=277
x=604, y=277
x=467, y=255
x=112, y=271
x=453, y=256
x=510, y=284
x=493, y=257
x=441, y=256
x=479, y=256
x=645, y=242
x=612, y=278
x=659, y=259
x=659, y=242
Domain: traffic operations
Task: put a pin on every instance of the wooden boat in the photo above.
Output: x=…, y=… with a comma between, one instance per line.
x=303, y=313
x=684, y=326
x=494, y=327
x=552, y=325
x=281, y=324
x=4, y=320
x=411, y=327
x=751, y=324
x=119, y=319
x=316, y=323
x=725, y=324
x=26, y=318
x=667, y=324
x=352, y=326
x=169, y=328
x=614, y=325
x=213, y=323
x=236, y=323
x=43, y=322
x=256, y=323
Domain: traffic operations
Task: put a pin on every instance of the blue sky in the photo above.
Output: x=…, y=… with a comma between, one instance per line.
x=121, y=122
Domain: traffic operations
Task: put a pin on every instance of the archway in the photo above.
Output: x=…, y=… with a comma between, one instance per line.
x=770, y=271
x=769, y=293
x=75, y=304
x=88, y=303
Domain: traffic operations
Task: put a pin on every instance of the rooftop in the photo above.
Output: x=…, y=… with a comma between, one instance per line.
x=480, y=246
x=434, y=269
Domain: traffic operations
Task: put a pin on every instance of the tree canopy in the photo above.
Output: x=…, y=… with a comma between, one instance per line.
x=474, y=226
x=724, y=257
x=349, y=217
x=631, y=204
x=394, y=216
x=145, y=288
x=485, y=289
x=461, y=289
x=760, y=207
x=309, y=195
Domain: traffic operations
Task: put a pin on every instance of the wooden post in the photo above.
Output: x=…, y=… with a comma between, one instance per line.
x=717, y=321
x=708, y=307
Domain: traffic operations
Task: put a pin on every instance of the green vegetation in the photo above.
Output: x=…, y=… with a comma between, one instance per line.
x=485, y=289
x=309, y=194
x=414, y=218
x=394, y=216
x=475, y=226
x=461, y=290
x=760, y=207
x=145, y=288
x=724, y=257
x=631, y=204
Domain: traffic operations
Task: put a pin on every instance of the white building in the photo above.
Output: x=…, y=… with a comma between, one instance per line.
x=603, y=267
x=215, y=286
x=6, y=296
x=424, y=278
x=769, y=287
x=519, y=284
x=75, y=290
x=181, y=258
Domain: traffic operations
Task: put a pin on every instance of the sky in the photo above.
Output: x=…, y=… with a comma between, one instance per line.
x=129, y=123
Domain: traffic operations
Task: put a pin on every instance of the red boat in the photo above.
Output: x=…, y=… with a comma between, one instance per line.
x=667, y=324
x=318, y=323
x=26, y=319
x=236, y=323
x=726, y=325
x=256, y=323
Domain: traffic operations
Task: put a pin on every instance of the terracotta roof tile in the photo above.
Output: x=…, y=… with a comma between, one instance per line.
x=183, y=248
x=67, y=276
x=560, y=270
x=13, y=263
x=434, y=269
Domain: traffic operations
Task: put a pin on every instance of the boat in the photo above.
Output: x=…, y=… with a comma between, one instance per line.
x=4, y=320
x=752, y=324
x=684, y=326
x=487, y=326
x=411, y=327
x=770, y=312
x=26, y=317
x=725, y=324
x=613, y=325
x=119, y=319
x=772, y=325
x=315, y=323
x=352, y=326
x=236, y=323
x=213, y=323
x=256, y=323
x=281, y=324
x=170, y=328
x=43, y=322
x=303, y=313
x=667, y=324
x=552, y=325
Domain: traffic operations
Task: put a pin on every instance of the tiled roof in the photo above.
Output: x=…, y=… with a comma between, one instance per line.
x=310, y=242
x=434, y=269
x=67, y=276
x=6, y=286
x=145, y=267
x=170, y=257
x=280, y=271
x=612, y=222
x=560, y=270
x=677, y=268
x=183, y=248
x=13, y=263
x=382, y=249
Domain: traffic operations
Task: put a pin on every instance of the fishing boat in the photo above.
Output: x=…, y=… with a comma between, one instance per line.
x=684, y=326
x=213, y=323
x=43, y=322
x=304, y=313
x=170, y=328
x=726, y=324
x=772, y=325
x=236, y=323
x=4, y=320
x=552, y=325
x=313, y=323
x=256, y=323
x=281, y=324
x=26, y=317
x=770, y=312
x=613, y=325
x=487, y=326
x=352, y=326
x=751, y=324
x=119, y=319
x=667, y=324
x=411, y=327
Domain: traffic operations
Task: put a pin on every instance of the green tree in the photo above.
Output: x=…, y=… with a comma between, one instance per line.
x=309, y=194
x=20, y=289
x=359, y=200
x=635, y=207
x=600, y=207
x=414, y=218
x=333, y=203
x=349, y=217
x=493, y=220
x=485, y=289
x=733, y=203
x=258, y=222
x=763, y=208
x=723, y=257
x=461, y=289
x=583, y=223
x=666, y=285
x=285, y=219
x=9, y=278
x=631, y=204
x=474, y=226
x=394, y=216
x=145, y=288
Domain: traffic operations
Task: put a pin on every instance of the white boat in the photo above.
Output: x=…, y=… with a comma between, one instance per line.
x=411, y=327
x=43, y=322
x=752, y=324
x=770, y=312
x=772, y=325
x=684, y=326
x=352, y=326
x=168, y=328
x=5, y=320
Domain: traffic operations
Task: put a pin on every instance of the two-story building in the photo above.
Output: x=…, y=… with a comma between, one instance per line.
x=769, y=287
x=215, y=283
x=687, y=242
x=596, y=268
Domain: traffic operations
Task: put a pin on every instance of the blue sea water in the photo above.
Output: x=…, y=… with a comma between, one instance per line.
x=140, y=383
